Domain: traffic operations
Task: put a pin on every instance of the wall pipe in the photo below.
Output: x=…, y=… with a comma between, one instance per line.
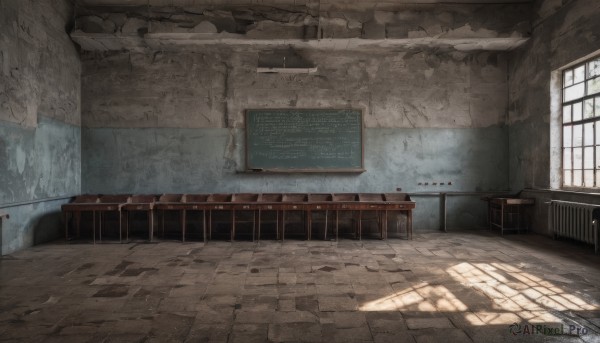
x=29, y=202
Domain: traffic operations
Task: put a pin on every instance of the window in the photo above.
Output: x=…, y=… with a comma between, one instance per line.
x=581, y=125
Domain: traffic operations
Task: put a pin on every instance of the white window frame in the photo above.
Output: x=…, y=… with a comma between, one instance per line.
x=576, y=118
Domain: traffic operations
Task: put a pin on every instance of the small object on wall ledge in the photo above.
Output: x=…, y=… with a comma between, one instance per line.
x=284, y=70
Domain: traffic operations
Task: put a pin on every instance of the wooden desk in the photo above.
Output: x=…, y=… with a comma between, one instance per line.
x=506, y=213
x=281, y=203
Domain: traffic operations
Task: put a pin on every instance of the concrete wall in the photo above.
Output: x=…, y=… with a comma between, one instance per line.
x=173, y=122
x=562, y=34
x=40, y=138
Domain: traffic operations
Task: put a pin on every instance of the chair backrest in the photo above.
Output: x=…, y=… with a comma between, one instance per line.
x=245, y=197
x=219, y=198
x=270, y=197
x=345, y=197
x=320, y=197
x=143, y=198
x=115, y=199
x=86, y=199
x=195, y=198
x=295, y=197
x=370, y=197
x=170, y=198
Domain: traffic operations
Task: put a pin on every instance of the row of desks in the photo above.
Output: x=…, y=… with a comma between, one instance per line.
x=257, y=203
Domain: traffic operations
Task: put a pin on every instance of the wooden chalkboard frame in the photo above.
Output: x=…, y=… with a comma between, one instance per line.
x=360, y=169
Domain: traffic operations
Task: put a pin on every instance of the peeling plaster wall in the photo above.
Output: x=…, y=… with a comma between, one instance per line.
x=173, y=122
x=563, y=33
x=40, y=137
x=460, y=25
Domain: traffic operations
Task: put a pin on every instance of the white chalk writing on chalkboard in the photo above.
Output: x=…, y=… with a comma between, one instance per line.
x=304, y=139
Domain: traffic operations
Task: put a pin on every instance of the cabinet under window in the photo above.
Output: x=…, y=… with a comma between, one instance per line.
x=581, y=125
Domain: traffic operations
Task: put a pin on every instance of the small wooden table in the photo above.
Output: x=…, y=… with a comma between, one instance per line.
x=506, y=213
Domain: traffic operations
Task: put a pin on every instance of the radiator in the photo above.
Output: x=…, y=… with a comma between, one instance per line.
x=575, y=220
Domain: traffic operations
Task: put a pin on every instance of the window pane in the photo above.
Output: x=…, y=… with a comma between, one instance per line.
x=577, y=158
x=594, y=68
x=579, y=74
x=577, y=135
x=597, y=106
x=598, y=177
x=566, y=114
x=588, y=158
x=588, y=134
x=598, y=159
x=577, y=179
x=577, y=113
x=568, y=78
x=593, y=86
x=574, y=92
x=567, y=159
x=567, y=178
x=588, y=108
x=567, y=136
x=588, y=178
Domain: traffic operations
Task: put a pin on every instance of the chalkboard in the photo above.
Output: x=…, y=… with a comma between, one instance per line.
x=304, y=140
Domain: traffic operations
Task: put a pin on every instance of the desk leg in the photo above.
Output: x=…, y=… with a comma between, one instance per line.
x=209, y=224
x=308, y=220
x=121, y=225
x=100, y=225
x=277, y=224
x=94, y=226
x=151, y=225
x=305, y=224
x=283, y=225
x=409, y=227
x=259, y=222
x=253, y=225
x=337, y=225
x=204, y=225
x=502, y=219
x=360, y=225
x=232, y=225
x=326, y=215
x=66, y=219
x=183, y=225
x=162, y=223
x=385, y=224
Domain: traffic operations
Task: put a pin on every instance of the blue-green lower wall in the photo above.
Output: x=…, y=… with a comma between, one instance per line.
x=211, y=160
x=36, y=164
x=31, y=224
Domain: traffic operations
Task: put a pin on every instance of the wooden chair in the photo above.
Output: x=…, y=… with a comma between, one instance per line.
x=140, y=203
x=81, y=203
x=404, y=204
x=219, y=203
x=111, y=203
x=344, y=202
x=319, y=203
x=242, y=204
x=293, y=202
x=194, y=202
x=269, y=202
x=370, y=205
x=170, y=202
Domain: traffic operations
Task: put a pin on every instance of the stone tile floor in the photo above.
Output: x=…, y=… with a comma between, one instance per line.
x=455, y=287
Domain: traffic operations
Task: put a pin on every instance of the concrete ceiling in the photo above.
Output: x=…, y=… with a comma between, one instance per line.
x=109, y=25
x=280, y=2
